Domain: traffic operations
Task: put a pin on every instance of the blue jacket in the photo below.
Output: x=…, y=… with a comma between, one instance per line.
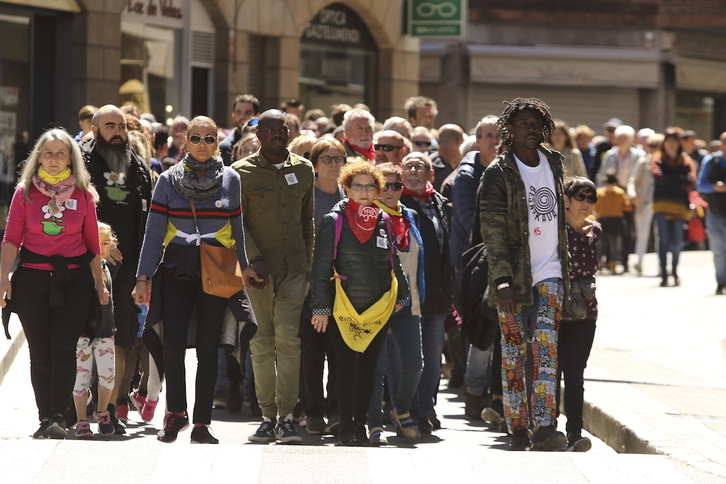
x=464, y=206
x=409, y=215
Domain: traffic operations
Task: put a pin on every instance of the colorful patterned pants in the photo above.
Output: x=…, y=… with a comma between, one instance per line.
x=535, y=326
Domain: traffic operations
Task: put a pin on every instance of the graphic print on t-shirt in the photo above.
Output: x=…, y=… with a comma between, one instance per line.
x=116, y=186
x=542, y=203
x=53, y=211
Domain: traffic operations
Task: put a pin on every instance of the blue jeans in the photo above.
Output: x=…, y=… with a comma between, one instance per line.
x=403, y=361
x=433, y=337
x=478, y=369
x=670, y=239
x=716, y=225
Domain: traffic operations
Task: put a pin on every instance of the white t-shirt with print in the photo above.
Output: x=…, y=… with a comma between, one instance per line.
x=539, y=185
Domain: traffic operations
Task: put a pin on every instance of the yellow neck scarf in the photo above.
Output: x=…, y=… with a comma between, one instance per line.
x=388, y=210
x=53, y=179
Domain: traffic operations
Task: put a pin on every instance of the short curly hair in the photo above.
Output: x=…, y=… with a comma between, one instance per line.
x=518, y=105
x=359, y=166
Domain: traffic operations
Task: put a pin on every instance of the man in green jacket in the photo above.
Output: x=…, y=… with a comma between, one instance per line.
x=522, y=214
x=277, y=208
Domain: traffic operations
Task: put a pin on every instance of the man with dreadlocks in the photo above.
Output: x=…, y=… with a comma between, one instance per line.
x=522, y=213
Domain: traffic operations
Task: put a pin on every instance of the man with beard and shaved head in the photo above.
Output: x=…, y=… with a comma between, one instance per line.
x=277, y=202
x=124, y=187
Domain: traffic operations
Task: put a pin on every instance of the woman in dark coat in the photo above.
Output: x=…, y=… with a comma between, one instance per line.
x=361, y=264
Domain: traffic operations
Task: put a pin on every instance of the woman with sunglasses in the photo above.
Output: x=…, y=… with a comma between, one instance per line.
x=354, y=258
x=579, y=313
x=328, y=158
x=198, y=199
x=405, y=325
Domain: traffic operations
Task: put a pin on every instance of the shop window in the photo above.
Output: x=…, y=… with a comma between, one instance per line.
x=150, y=70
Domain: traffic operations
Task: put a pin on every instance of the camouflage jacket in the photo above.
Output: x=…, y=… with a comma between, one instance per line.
x=505, y=227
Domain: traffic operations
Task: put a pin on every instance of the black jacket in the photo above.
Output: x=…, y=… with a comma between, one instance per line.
x=367, y=266
x=438, y=270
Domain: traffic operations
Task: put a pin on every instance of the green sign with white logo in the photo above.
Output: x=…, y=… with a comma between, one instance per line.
x=437, y=18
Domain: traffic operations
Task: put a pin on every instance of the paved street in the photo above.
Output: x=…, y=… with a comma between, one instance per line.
x=645, y=392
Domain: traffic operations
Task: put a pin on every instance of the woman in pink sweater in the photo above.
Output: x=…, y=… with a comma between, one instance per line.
x=52, y=227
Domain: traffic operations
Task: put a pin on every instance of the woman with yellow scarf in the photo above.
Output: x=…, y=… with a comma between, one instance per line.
x=52, y=226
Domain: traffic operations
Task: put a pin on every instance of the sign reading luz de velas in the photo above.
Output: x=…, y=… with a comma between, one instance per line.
x=437, y=18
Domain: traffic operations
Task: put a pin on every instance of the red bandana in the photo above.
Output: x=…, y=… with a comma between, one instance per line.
x=362, y=220
x=367, y=153
x=427, y=193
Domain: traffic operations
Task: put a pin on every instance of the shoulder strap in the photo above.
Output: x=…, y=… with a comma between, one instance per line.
x=196, y=225
x=391, y=239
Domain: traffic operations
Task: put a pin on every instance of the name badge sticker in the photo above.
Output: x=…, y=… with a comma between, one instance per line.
x=143, y=205
x=291, y=178
x=382, y=242
x=71, y=204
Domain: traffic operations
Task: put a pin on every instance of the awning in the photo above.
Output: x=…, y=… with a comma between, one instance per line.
x=64, y=5
x=700, y=75
x=576, y=66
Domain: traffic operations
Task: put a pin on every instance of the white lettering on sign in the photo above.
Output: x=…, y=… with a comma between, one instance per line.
x=332, y=34
x=333, y=17
x=155, y=8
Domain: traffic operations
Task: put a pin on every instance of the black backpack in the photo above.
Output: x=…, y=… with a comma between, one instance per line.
x=479, y=322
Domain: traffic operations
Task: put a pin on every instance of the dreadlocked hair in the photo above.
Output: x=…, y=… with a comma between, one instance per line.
x=518, y=105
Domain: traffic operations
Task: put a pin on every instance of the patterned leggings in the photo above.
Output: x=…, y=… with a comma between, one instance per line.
x=535, y=326
x=100, y=350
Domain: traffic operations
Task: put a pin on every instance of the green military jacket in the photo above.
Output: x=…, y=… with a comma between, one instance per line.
x=505, y=226
x=277, y=211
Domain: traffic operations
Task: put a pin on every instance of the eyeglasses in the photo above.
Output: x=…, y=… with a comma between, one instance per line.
x=369, y=188
x=209, y=140
x=408, y=167
x=422, y=144
x=386, y=147
x=395, y=186
x=329, y=160
x=581, y=197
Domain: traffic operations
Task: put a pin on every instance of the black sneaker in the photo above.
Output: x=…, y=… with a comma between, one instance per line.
x=425, y=426
x=548, y=438
x=578, y=443
x=105, y=426
x=174, y=423
x=201, y=435
x=57, y=427
x=520, y=440
x=286, y=433
x=264, y=433
x=361, y=436
x=118, y=427
x=40, y=433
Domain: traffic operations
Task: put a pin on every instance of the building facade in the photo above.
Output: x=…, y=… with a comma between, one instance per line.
x=194, y=57
x=651, y=63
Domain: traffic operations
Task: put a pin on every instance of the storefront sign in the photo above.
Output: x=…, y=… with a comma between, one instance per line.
x=437, y=18
x=158, y=12
x=338, y=24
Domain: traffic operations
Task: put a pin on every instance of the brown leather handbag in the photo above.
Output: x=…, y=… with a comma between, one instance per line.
x=221, y=272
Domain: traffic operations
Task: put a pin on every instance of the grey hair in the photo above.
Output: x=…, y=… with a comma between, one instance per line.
x=355, y=114
x=77, y=166
x=489, y=119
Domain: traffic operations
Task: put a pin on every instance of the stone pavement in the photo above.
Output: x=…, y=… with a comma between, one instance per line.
x=644, y=393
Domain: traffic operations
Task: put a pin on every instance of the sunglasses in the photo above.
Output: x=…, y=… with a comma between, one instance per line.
x=395, y=186
x=329, y=160
x=422, y=144
x=209, y=140
x=386, y=147
x=581, y=197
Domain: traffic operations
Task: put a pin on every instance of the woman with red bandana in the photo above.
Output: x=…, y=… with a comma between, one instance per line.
x=356, y=278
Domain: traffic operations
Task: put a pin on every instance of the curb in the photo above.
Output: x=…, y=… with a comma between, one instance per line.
x=18, y=340
x=614, y=433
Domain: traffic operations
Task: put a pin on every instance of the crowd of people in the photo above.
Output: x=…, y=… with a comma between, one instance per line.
x=353, y=237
